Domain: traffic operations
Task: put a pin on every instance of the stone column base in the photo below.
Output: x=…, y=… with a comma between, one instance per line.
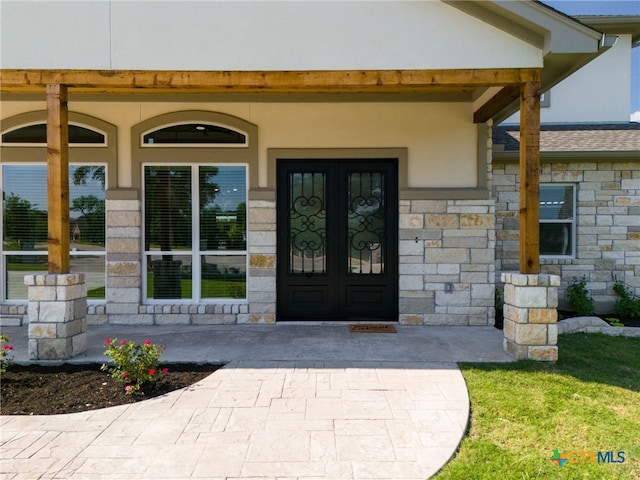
x=57, y=316
x=530, y=316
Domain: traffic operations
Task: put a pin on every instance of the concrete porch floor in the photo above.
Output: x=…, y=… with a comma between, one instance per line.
x=294, y=401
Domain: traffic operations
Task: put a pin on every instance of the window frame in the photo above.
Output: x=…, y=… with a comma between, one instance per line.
x=195, y=253
x=4, y=254
x=79, y=154
x=245, y=144
x=44, y=144
x=573, y=221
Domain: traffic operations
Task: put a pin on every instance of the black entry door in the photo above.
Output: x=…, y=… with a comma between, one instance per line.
x=337, y=240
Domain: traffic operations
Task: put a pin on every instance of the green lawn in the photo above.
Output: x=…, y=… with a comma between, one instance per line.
x=589, y=401
x=210, y=288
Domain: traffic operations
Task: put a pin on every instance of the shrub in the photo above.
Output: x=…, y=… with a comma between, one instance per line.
x=5, y=361
x=133, y=365
x=579, y=297
x=628, y=305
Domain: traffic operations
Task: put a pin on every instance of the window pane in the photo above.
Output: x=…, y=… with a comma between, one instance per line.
x=307, y=223
x=556, y=239
x=17, y=266
x=87, y=208
x=169, y=276
x=94, y=273
x=25, y=205
x=24, y=191
x=167, y=208
x=38, y=134
x=367, y=229
x=223, y=208
x=556, y=202
x=224, y=276
x=194, y=133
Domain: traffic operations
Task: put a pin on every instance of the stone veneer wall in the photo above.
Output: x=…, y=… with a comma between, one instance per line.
x=608, y=225
x=447, y=269
x=124, y=283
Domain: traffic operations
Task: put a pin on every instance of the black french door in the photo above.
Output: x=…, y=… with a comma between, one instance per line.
x=337, y=224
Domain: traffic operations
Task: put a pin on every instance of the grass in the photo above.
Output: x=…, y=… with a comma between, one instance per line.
x=210, y=288
x=588, y=401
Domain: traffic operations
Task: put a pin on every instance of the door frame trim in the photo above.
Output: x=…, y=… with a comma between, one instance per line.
x=480, y=192
x=401, y=154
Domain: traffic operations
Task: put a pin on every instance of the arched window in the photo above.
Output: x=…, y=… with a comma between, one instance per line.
x=23, y=179
x=194, y=169
x=36, y=135
x=195, y=134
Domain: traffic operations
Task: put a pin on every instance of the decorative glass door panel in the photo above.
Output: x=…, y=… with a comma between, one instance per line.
x=337, y=240
x=367, y=223
x=307, y=223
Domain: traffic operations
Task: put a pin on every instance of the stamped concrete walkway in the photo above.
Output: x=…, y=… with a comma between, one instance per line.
x=293, y=402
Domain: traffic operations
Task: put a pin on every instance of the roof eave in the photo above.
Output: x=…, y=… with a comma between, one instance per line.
x=566, y=44
x=512, y=156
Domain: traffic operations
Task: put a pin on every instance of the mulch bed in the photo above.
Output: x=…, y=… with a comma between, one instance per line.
x=69, y=388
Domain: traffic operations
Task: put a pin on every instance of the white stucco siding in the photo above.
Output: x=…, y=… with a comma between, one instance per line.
x=440, y=137
x=56, y=35
x=267, y=35
x=598, y=92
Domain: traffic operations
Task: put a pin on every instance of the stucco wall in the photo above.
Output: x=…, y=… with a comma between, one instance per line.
x=440, y=137
x=452, y=239
x=598, y=92
x=228, y=35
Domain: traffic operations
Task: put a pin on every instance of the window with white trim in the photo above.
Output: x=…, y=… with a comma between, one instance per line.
x=557, y=220
x=195, y=231
x=24, y=225
x=23, y=217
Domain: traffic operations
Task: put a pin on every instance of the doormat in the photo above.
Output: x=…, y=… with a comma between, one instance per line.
x=371, y=328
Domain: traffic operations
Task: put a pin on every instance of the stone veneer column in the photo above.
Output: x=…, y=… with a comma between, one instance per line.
x=530, y=316
x=124, y=282
x=57, y=316
x=261, y=285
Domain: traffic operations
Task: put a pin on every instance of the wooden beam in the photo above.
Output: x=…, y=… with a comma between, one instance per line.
x=58, y=178
x=501, y=100
x=530, y=178
x=334, y=81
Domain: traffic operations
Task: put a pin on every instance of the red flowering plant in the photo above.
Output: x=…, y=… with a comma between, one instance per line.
x=5, y=361
x=132, y=364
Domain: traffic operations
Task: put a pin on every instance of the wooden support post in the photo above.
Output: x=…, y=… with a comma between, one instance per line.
x=58, y=178
x=530, y=177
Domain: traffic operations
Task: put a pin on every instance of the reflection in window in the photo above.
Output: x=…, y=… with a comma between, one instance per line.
x=37, y=134
x=557, y=220
x=194, y=133
x=366, y=228
x=24, y=225
x=195, y=231
x=308, y=222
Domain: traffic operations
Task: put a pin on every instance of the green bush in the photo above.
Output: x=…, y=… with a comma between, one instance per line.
x=5, y=360
x=133, y=365
x=628, y=305
x=579, y=297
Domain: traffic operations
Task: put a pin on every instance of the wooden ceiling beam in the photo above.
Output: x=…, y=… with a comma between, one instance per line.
x=499, y=101
x=351, y=81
